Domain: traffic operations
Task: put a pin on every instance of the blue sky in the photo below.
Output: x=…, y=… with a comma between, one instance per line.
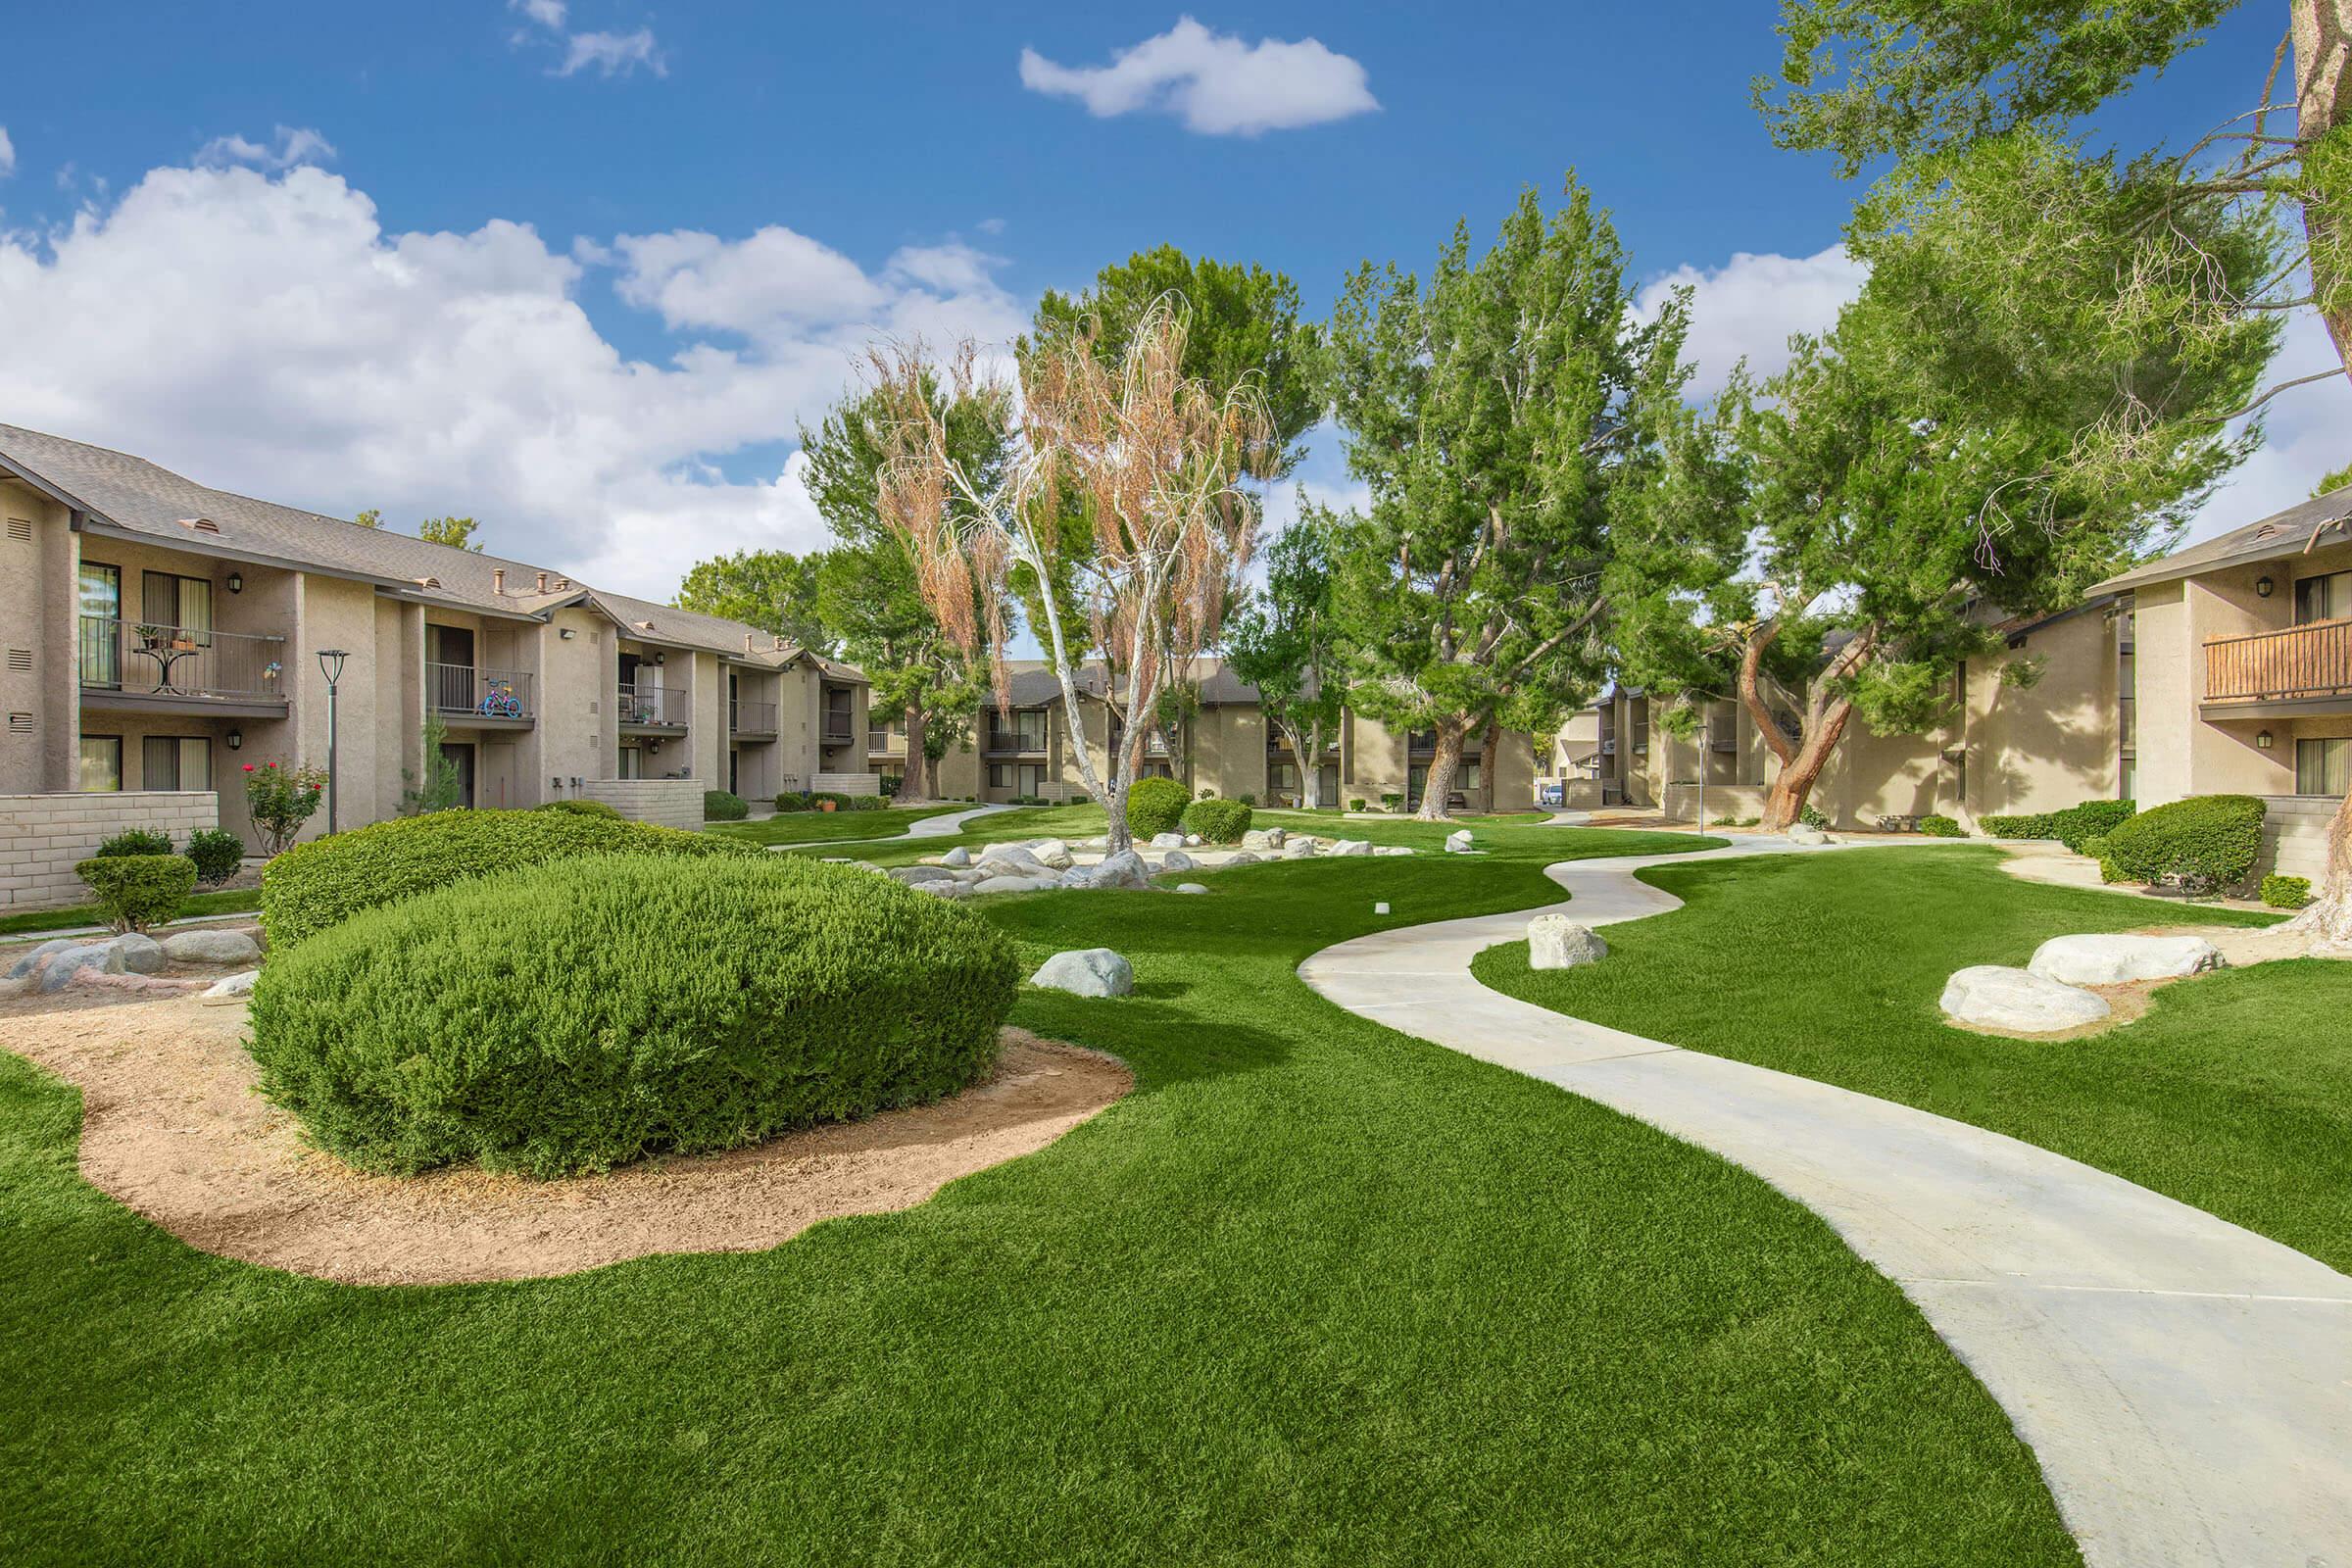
x=579, y=268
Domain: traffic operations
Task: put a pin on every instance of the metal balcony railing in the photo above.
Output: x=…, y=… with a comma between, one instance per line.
x=145, y=658
x=479, y=692
x=838, y=730
x=878, y=740
x=642, y=703
x=2309, y=661
x=752, y=718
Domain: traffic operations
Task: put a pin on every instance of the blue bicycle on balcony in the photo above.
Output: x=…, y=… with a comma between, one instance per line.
x=500, y=701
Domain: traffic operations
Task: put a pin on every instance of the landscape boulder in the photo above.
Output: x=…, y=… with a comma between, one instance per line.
x=25, y=966
x=220, y=945
x=1012, y=860
x=1007, y=883
x=1457, y=842
x=1556, y=942
x=1352, y=847
x=1176, y=860
x=2101, y=959
x=1087, y=972
x=1809, y=837
x=1993, y=996
x=1242, y=858
x=229, y=987
x=1167, y=841
x=1263, y=838
x=61, y=969
x=1190, y=887
x=1053, y=853
x=141, y=954
x=1298, y=850
x=1392, y=848
x=917, y=874
x=959, y=858
x=946, y=887
x=1125, y=870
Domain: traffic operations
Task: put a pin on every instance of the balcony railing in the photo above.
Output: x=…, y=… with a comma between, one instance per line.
x=838, y=729
x=2310, y=660
x=642, y=703
x=752, y=718
x=1015, y=741
x=476, y=692
x=878, y=740
x=147, y=660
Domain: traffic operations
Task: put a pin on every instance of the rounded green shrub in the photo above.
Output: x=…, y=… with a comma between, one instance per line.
x=1940, y=827
x=868, y=803
x=575, y=1016
x=315, y=885
x=1217, y=821
x=136, y=891
x=2204, y=844
x=724, y=805
x=2073, y=827
x=216, y=854
x=135, y=841
x=2283, y=892
x=1155, y=806
x=795, y=801
x=579, y=809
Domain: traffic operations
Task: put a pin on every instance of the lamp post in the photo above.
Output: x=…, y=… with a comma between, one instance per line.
x=330, y=665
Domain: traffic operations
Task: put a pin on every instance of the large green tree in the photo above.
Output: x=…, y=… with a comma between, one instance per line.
x=456, y=532
x=868, y=588
x=1498, y=413
x=773, y=590
x=1285, y=642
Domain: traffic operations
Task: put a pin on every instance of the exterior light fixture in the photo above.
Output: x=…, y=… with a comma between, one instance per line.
x=236, y=740
x=2264, y=587
x=236, y=582
x=567, y=633
x=2263, y=740
x=330, y=665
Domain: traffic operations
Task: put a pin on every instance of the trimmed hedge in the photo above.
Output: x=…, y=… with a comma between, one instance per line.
x=218, y=855
x=576, y=1016
x=315, y=885
x=2283, y=892
x=136, y=891
x=1217, y=821
x=1936, y=826
x=2072, y=827
x=135, y=841
x=1155, y=805
x=2205, y=843
x=580, y=809
x=795, y=801
x=724, y=805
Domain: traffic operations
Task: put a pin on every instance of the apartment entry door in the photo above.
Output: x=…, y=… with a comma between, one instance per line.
x=459, y=754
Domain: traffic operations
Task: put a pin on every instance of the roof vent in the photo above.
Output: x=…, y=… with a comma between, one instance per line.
x=22, y=724
x=779, y=645
x=429, y=582
x=498, y=579
x=21, y=529
x=563, y=583
x=542, y=583
x=643, y=625
x=200, y=525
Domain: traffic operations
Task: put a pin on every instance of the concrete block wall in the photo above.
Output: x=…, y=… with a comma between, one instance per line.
x=41, y=836
x=667, y=802
x=2294, y=836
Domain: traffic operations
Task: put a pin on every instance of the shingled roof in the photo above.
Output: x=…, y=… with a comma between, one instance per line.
x=133, y=498
x=2282, y=533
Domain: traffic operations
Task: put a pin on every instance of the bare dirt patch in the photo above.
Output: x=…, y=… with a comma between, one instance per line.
x=171, y=1127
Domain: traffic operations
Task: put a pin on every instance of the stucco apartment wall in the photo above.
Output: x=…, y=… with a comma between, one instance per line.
x=578, y=733
x=2058, y=742
x=331, y=612
x=37, y=617
x=706, y=731
x=1372, y=758
x=1229, y=750
x=42, y=836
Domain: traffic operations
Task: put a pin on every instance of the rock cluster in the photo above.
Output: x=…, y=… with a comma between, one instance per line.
x=1047, y=864
x=62, y=960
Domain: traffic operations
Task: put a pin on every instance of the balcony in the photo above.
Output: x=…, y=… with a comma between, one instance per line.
x=751, y=719
x=2309, y=664
x=878, y=743
x=143, y=665
x=647, y=707
x=1015, y=741
x=493, y=697
x=838, y=728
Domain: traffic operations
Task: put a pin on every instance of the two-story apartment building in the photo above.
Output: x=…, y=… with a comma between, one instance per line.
x=158, y=635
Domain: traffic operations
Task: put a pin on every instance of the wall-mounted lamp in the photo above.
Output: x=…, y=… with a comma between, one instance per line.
x=2263, y=740
x=236, y=582
x=2264, y=587
x=661, y=658
x=567, y=633
x=652, y=747
x=236, y=739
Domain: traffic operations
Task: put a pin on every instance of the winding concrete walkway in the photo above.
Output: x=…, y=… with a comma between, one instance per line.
x=2186, y=1385
x=945, y=825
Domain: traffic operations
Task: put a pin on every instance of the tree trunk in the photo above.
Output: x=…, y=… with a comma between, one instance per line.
x=930, y=775
x=2323, y=34
x=911, y=791
x=1442, y=767
x=1488, y=753
x=1785, y=800
x=1309, y=794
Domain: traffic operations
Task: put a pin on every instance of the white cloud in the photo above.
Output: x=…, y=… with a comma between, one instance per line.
x=774, y=280
x=608, y=54
x=547, y=12
x=1751, y=305
x=2307, y=437
x=8, y=154
x=288, y=146
x=1217, y=84
x=265, y=334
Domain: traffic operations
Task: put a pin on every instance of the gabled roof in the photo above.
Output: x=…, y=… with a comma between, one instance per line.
x=137, y=499
x=2281, y=534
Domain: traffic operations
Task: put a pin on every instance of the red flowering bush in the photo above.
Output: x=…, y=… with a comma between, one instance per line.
x=280, y=800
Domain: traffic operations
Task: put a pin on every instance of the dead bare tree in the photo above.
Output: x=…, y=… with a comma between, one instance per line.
x=1121, y=497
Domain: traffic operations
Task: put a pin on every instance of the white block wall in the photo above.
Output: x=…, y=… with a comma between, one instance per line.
x=41, y=836
x=847, y=784
x=2294, y=836
x=669, y=802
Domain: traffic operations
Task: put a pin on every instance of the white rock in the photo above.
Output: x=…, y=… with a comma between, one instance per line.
x=1556, y=942
x=216, y=946
x=229, y=987
x=1015, y=884
x=1391, y=849
x=1993, y=996
x=1299, y=849
x=1166, y=840
x=1125, y=870
x=1013, y=860
x=1190, y=887
x=1809, y=837
x=1053, y=853
x=2112, y=960
x=1176, y=860
x=1457, y=842
x=1192, y=841
x=946, y=888
x=1242, y=858
x=919, y=874
x=1352, y=847
x=959, y=858
x=1087, y=972
x=1263, y=838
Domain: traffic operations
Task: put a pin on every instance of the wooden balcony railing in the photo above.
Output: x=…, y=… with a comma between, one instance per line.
x=2310, y=660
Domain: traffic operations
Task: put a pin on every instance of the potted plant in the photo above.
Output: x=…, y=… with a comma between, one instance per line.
x=149, y=636
x=824, y=806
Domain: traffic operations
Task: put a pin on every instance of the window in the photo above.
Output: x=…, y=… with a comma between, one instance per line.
x=2324, y=767
x=101, y=646
x=999, y=775
x=1281, y=778
x=629, y=762
x=101, y=763
x=1025, y=731
x=184, y=603
x=2327, y=598
x=175, y=762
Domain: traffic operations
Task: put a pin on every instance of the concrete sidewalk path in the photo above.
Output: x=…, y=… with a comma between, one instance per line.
x=945, y=825
x=2185, y=1384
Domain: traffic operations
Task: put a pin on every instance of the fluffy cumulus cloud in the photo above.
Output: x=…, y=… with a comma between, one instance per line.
x=287, y=146
x=1214, y=82
x=263, y=332
x=1750, y=307
x=2307, y=435
x=8, y=154
x=605, y=53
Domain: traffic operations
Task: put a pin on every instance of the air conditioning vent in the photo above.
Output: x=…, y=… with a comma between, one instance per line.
x=20, y=529
x=19, y=660
x=19, y=724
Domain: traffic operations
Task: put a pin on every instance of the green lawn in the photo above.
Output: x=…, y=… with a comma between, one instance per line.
x=2233, y=1093
x=815, y=827
x=231, y=901
x=1316, y=1293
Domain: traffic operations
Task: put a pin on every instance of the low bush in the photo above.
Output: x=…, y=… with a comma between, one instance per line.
x=315, y=885
x=1936, y=826
x=891, y=783
x=868, y=803
x=2096, y=848
x=1738, y=821
x=1358, y=803
x=216, y=854
x=795, y=801
x=1246, y=798
x=2205, y=844
x=1217, y=821
x=136, y=841
x=576, y=1016
x=1391, y=802
x=579, y=809
x=820, y=799
x=1811, y=816
x=1208, y=794
x=2281, y=891
x=1155, y=806
x=724, y=805
x=136, y=891
x=2072, y=827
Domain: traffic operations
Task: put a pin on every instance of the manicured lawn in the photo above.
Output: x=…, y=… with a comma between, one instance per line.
x=2233, y=1093
x=1316, y=1293
x=815, y=827
x=232, y=901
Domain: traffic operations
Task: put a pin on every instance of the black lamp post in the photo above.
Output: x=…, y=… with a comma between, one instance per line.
x=330, y=665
